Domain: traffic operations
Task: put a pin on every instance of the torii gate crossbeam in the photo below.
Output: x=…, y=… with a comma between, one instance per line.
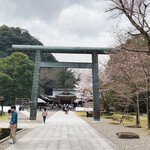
x=94, y=51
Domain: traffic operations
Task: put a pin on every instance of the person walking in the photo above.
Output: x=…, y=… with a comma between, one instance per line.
x=44, y=114
x=13, y=124
x=65, y=109
x=62, y=107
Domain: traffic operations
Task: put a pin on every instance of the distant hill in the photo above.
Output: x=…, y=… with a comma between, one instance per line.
x=12, y=35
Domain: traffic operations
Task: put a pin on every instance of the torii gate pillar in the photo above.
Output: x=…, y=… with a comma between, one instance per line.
x=35, y=85
x=96, y=99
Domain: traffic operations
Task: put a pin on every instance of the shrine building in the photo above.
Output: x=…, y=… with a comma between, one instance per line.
x=61, y=96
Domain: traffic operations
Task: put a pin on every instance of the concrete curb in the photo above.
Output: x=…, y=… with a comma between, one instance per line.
x=6, y=138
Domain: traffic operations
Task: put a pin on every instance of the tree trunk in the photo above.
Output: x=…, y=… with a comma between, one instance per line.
x=148, y=43
x=127, y=110
x=2, y=107
x=148, y=104
x=106, y=107
x=137, y=111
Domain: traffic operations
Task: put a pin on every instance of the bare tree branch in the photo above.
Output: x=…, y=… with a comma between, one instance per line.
x=136, y=12
x=131, y=50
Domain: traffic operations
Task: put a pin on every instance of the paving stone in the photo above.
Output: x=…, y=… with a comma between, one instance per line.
x=62, y=132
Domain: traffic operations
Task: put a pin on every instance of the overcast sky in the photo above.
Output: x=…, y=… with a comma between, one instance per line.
x=62, y=23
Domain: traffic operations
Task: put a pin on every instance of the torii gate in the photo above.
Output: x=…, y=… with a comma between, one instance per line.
x=94, y=51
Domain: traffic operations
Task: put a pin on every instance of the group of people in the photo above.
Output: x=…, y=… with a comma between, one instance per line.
x=14, y=119
x=21, y=108
x=66, y=108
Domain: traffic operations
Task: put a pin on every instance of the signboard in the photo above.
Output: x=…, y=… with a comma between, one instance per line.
x=25, y=102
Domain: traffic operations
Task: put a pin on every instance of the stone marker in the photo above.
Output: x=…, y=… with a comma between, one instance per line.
x=127, y=135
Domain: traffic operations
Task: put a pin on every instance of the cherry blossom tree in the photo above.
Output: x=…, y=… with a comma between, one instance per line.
x=84, y=87
x=130, y=76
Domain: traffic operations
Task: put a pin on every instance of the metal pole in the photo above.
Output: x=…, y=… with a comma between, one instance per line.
x=96, y=99
x=35, y=86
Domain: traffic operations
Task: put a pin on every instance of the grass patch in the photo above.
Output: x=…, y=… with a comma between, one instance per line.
x=4, y=117
x=108, y=117
x=127, y=120
x=132, y=113
x=102, y=113
x=80, y=113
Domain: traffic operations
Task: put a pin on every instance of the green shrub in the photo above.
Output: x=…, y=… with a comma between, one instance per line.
x=104, y=113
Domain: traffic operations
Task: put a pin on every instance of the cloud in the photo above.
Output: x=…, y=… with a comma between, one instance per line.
x=60, y=22
x=29, y=9
x=80, y=21
x=47, y=10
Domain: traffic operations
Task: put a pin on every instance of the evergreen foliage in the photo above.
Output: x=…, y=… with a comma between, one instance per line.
x=16, y=74
x=16, y=69
x=66, y=79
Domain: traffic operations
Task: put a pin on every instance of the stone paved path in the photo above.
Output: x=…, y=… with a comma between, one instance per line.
x=23, y=114
x=63, y=132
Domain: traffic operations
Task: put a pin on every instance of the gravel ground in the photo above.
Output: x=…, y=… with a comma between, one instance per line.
x=109, y=131
x=5, y=144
